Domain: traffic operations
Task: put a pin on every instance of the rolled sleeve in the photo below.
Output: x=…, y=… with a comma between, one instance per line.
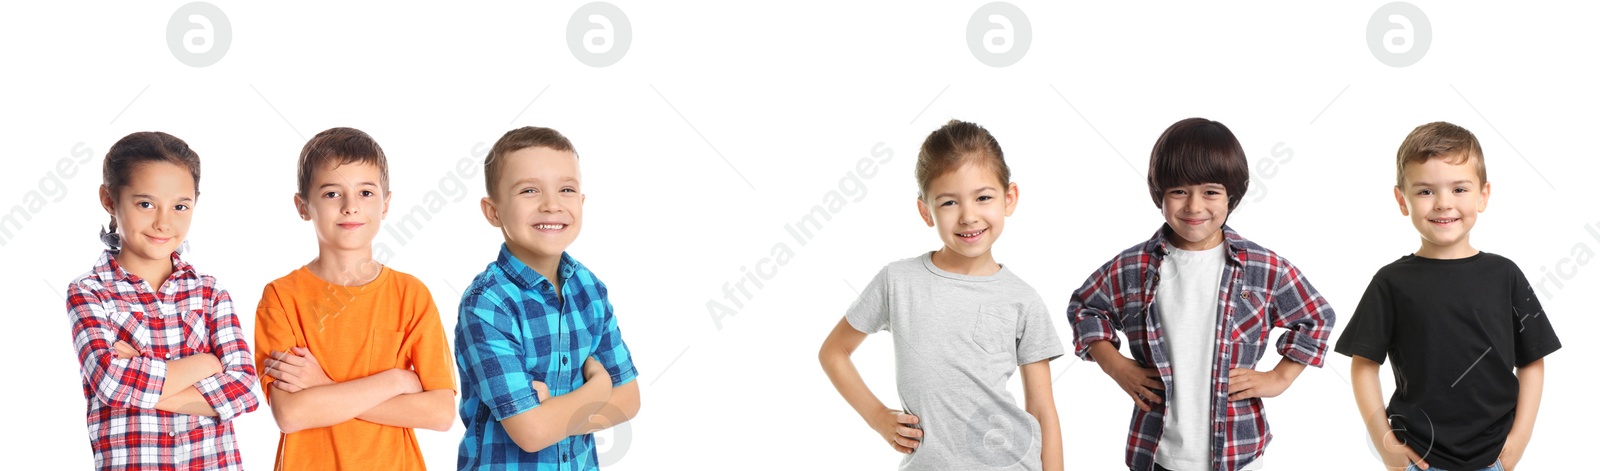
x=229, y=392
x=492, y=357
x=1090, y=312
x=134, y=383
x=1298, y=307
x=611, y=351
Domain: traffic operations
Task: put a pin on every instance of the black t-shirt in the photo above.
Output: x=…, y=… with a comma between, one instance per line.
x=1456, y=330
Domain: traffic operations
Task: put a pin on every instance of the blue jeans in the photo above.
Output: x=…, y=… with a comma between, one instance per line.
x=1493, y=467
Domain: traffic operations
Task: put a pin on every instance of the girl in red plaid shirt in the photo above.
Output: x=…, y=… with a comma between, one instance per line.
x=165, y=366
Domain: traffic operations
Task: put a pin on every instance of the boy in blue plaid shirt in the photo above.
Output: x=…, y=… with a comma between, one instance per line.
x=542, y=362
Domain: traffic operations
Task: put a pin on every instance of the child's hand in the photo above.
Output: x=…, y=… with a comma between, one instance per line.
x=409, y=382
x=297, y=370
x=593, y=371
x=1245, y=383
x=124, y=350
x=1511, y=454
x=1396, y=452
x=1139, y=383
x=896, y=427
x=541, y=390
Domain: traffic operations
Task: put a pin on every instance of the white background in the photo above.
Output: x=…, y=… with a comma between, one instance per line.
x=727, y=120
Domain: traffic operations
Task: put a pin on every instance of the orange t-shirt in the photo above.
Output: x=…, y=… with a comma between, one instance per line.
x=354, y=332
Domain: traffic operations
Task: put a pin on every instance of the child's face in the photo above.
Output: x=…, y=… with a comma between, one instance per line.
x=1195, y=213
x=154, y=210
x=345, y=203
x=1443, y=201
x=538, y=203
x=968, y=206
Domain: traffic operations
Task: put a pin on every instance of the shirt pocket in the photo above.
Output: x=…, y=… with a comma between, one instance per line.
x=128, y=320
x=197, y=335
x=994, y=329
x=1248, y=325
x=383, y=351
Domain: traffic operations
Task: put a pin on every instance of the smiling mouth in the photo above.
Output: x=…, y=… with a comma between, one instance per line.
x=971, y=235
x=1444, y=221
x=1194, y=222
x=159, y=240
x=550, y=227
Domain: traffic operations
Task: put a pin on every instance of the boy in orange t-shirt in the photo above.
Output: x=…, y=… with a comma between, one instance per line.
x=352, y=353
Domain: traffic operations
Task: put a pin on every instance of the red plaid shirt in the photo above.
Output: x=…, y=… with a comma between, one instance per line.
x=189, y=316
x=1259, y=290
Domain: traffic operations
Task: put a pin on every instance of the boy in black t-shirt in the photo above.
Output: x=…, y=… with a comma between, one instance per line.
x=1463, y=327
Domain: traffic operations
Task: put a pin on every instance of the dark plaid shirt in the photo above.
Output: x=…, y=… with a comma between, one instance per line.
x=1259, y=290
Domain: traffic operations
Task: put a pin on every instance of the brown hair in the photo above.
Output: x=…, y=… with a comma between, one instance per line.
x=138, y=149
x=340, y=146
x=1198, y=151
x=956, y=143
x=518, y=139
x=1439, y=140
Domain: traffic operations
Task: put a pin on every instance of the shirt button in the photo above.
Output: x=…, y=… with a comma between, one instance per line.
x=563, y=359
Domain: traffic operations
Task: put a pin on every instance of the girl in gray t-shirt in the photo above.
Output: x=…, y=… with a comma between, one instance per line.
x=962, y=324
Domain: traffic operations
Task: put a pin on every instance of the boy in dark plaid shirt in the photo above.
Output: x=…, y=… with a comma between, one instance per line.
x=1196, y=336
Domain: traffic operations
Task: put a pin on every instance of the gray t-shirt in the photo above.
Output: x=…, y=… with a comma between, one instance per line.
x=957, y=340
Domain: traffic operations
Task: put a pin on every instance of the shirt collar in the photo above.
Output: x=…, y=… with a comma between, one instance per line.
x=1159, y=246
x=525, y=276
x=110, y=271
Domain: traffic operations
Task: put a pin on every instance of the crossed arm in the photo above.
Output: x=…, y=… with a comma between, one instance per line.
x=303, y=397
x=594, y=406
x=216, y=384
x=178, y=394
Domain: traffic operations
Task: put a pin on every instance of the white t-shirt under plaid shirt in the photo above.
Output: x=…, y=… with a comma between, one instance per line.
x=190, y=315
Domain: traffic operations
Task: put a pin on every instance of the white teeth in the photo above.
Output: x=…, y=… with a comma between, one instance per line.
x=549, y=227
x=968, y=234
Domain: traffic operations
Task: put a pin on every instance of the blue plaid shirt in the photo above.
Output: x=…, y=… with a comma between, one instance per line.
x=513, y=330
